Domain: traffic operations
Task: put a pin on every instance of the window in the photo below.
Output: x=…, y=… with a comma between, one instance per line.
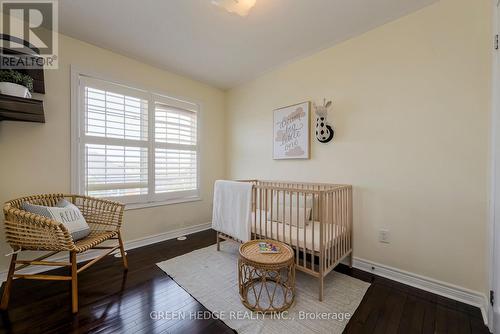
x=132, y=145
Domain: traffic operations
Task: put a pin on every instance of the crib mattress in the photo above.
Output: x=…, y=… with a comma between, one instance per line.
x=300, y=236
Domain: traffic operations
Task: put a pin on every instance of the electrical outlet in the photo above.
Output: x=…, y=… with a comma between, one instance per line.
x=384, y=236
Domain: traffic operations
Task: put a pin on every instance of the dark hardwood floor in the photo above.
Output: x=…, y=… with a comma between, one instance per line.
x=114, y=302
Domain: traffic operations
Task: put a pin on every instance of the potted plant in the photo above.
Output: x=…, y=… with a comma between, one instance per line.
x=15, y=83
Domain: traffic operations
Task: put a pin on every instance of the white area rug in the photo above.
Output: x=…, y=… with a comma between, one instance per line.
x=212, y=278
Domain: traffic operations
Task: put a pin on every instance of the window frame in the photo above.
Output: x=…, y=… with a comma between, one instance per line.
x=78, y=141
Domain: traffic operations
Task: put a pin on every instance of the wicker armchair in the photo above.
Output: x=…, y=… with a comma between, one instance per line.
x=30, y=232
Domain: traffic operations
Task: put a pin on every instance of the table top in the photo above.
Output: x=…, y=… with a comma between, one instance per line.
x=250, y=251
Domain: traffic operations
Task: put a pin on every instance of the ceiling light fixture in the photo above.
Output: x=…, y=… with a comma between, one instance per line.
x=240, y=7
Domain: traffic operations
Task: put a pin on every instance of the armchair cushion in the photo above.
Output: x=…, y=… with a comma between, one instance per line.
x=64, y=212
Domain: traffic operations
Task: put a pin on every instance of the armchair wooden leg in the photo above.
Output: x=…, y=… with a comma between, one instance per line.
x=122, y=251
x=8, y=283
x=74, y=283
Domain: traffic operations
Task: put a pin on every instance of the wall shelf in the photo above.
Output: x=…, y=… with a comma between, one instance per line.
x=13, y=108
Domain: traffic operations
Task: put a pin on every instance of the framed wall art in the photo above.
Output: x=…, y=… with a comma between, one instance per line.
x=291, y=136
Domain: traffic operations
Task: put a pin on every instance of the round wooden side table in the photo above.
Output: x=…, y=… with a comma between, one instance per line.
x=266, y=281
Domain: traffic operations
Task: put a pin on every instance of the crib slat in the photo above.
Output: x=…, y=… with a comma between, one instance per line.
x=349, y=216
x=341, y=212
x=297, y=249
x=346, y=246
x=350, y=223
x=343, y=221
x=313, y=222
x=304, y=255
x=284, y=212
x=270, y=222
x=317, y=218
x=254, y=206
x=297, y=224
x=277, y=215
x=337, y=221
x=274, y=218
x=327, y=230
x=260, y=213
x=321, y=243
x=329, y=205
x=324, y=250
x=346, y=213
x=334, y=225
x=265, y=213
x=332, y=232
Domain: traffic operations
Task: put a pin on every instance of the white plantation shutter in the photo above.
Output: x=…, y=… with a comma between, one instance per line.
x=176, y=158
x=134, y=145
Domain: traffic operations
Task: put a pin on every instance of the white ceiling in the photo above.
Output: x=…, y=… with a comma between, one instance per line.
x=202, y=41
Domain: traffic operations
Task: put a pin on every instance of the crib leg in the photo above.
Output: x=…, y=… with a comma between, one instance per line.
x=351, y=258
x=218, y=242
x=321, y=285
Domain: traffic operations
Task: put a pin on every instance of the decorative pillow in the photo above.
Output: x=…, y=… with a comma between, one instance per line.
x=64, y=212
x=304, y=203
x=301, y=220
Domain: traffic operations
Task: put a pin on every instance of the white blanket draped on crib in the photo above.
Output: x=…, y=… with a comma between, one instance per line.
x=232, y=210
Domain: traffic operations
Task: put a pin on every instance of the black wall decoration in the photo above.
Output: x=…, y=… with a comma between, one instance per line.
x=324, y=132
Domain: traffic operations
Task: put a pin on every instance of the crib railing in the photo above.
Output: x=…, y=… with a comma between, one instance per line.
x=314, y=219
x=337, y=215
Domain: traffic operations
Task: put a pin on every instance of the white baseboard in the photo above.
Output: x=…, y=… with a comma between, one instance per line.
x=136, y=243
x=428, y=284
x=153, y=239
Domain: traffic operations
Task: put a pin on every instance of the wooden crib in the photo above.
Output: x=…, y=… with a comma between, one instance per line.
x=314, y=219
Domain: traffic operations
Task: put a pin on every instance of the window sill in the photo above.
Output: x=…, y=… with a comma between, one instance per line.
x=136, y=206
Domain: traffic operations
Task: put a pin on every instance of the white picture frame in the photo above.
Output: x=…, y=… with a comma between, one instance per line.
x=291, y=132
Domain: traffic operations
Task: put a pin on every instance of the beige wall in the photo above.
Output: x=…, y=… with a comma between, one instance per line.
x=411, y=111
x=35, y=158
